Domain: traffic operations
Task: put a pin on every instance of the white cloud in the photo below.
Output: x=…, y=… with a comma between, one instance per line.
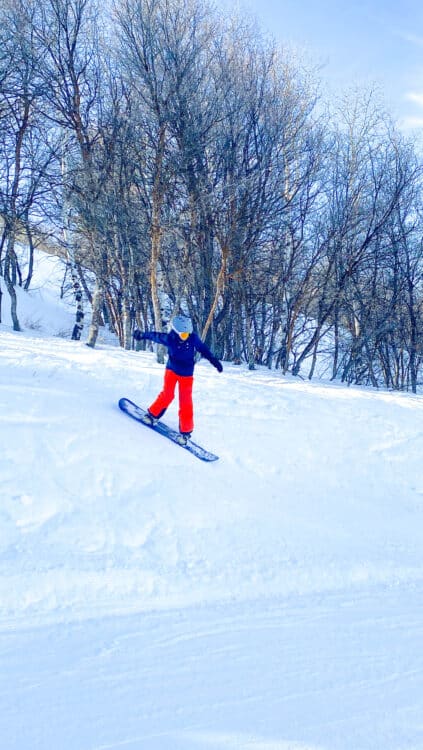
x=415, y=96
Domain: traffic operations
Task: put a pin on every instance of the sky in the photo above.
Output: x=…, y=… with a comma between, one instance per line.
x=360, y=42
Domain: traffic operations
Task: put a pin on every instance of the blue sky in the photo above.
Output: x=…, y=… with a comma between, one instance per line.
x=378, y=41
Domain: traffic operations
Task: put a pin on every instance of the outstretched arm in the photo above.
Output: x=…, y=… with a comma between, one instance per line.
x=205, y=352
x=156, y=336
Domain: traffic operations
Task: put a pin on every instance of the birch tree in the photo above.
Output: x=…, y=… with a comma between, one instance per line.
x=25, y=152
x=67, y=35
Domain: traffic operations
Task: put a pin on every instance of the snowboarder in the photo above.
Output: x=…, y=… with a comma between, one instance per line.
x=182, y=344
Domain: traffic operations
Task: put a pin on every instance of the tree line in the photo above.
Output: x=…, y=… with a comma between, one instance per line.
x=184, y=161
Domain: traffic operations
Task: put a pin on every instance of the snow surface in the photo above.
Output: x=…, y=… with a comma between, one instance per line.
x=269, y=601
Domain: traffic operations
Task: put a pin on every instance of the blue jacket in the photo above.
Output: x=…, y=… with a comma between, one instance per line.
x=182, y=353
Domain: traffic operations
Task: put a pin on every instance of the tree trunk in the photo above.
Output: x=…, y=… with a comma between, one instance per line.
x=79, y=317
x=248, y=336
x=220, y=285
x=126, y=320
x=156, y=236
x=97, y=317
x=79, y=320
x=10, y=262
x=31, y=257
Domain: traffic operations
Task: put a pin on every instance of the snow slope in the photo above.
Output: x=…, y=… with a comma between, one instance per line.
x=150, y=601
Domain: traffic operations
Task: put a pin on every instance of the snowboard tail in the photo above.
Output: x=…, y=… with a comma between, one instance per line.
x=137, y=413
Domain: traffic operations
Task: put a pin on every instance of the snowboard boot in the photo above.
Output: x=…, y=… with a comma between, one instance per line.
x=149, y=419
x=183, y=438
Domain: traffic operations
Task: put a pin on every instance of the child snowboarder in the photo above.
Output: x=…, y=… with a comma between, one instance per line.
x=182, y=344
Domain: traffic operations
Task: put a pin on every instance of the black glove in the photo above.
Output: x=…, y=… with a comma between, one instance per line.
x=218, y=365
x=138, y=335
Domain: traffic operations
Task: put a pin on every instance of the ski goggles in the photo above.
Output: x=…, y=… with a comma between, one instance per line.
x=184, y=335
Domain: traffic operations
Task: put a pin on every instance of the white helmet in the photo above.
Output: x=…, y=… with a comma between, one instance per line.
x=182, y=325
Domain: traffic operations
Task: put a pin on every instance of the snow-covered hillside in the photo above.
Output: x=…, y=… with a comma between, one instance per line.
x=272, y=600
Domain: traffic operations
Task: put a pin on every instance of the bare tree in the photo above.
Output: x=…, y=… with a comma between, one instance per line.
x=25, y=148
x=367, y=183
x=67, y=36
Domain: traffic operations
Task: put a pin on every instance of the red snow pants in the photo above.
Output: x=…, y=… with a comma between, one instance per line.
x=166, y=396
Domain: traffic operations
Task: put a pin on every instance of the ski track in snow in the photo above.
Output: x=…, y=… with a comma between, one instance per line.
x=310, y=674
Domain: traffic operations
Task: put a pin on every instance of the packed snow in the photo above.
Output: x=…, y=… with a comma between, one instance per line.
x=269, y=601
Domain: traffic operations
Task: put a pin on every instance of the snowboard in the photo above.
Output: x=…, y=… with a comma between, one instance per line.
x=137, y=413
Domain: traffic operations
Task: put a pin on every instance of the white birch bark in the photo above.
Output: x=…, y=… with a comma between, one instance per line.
x=70, y=254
